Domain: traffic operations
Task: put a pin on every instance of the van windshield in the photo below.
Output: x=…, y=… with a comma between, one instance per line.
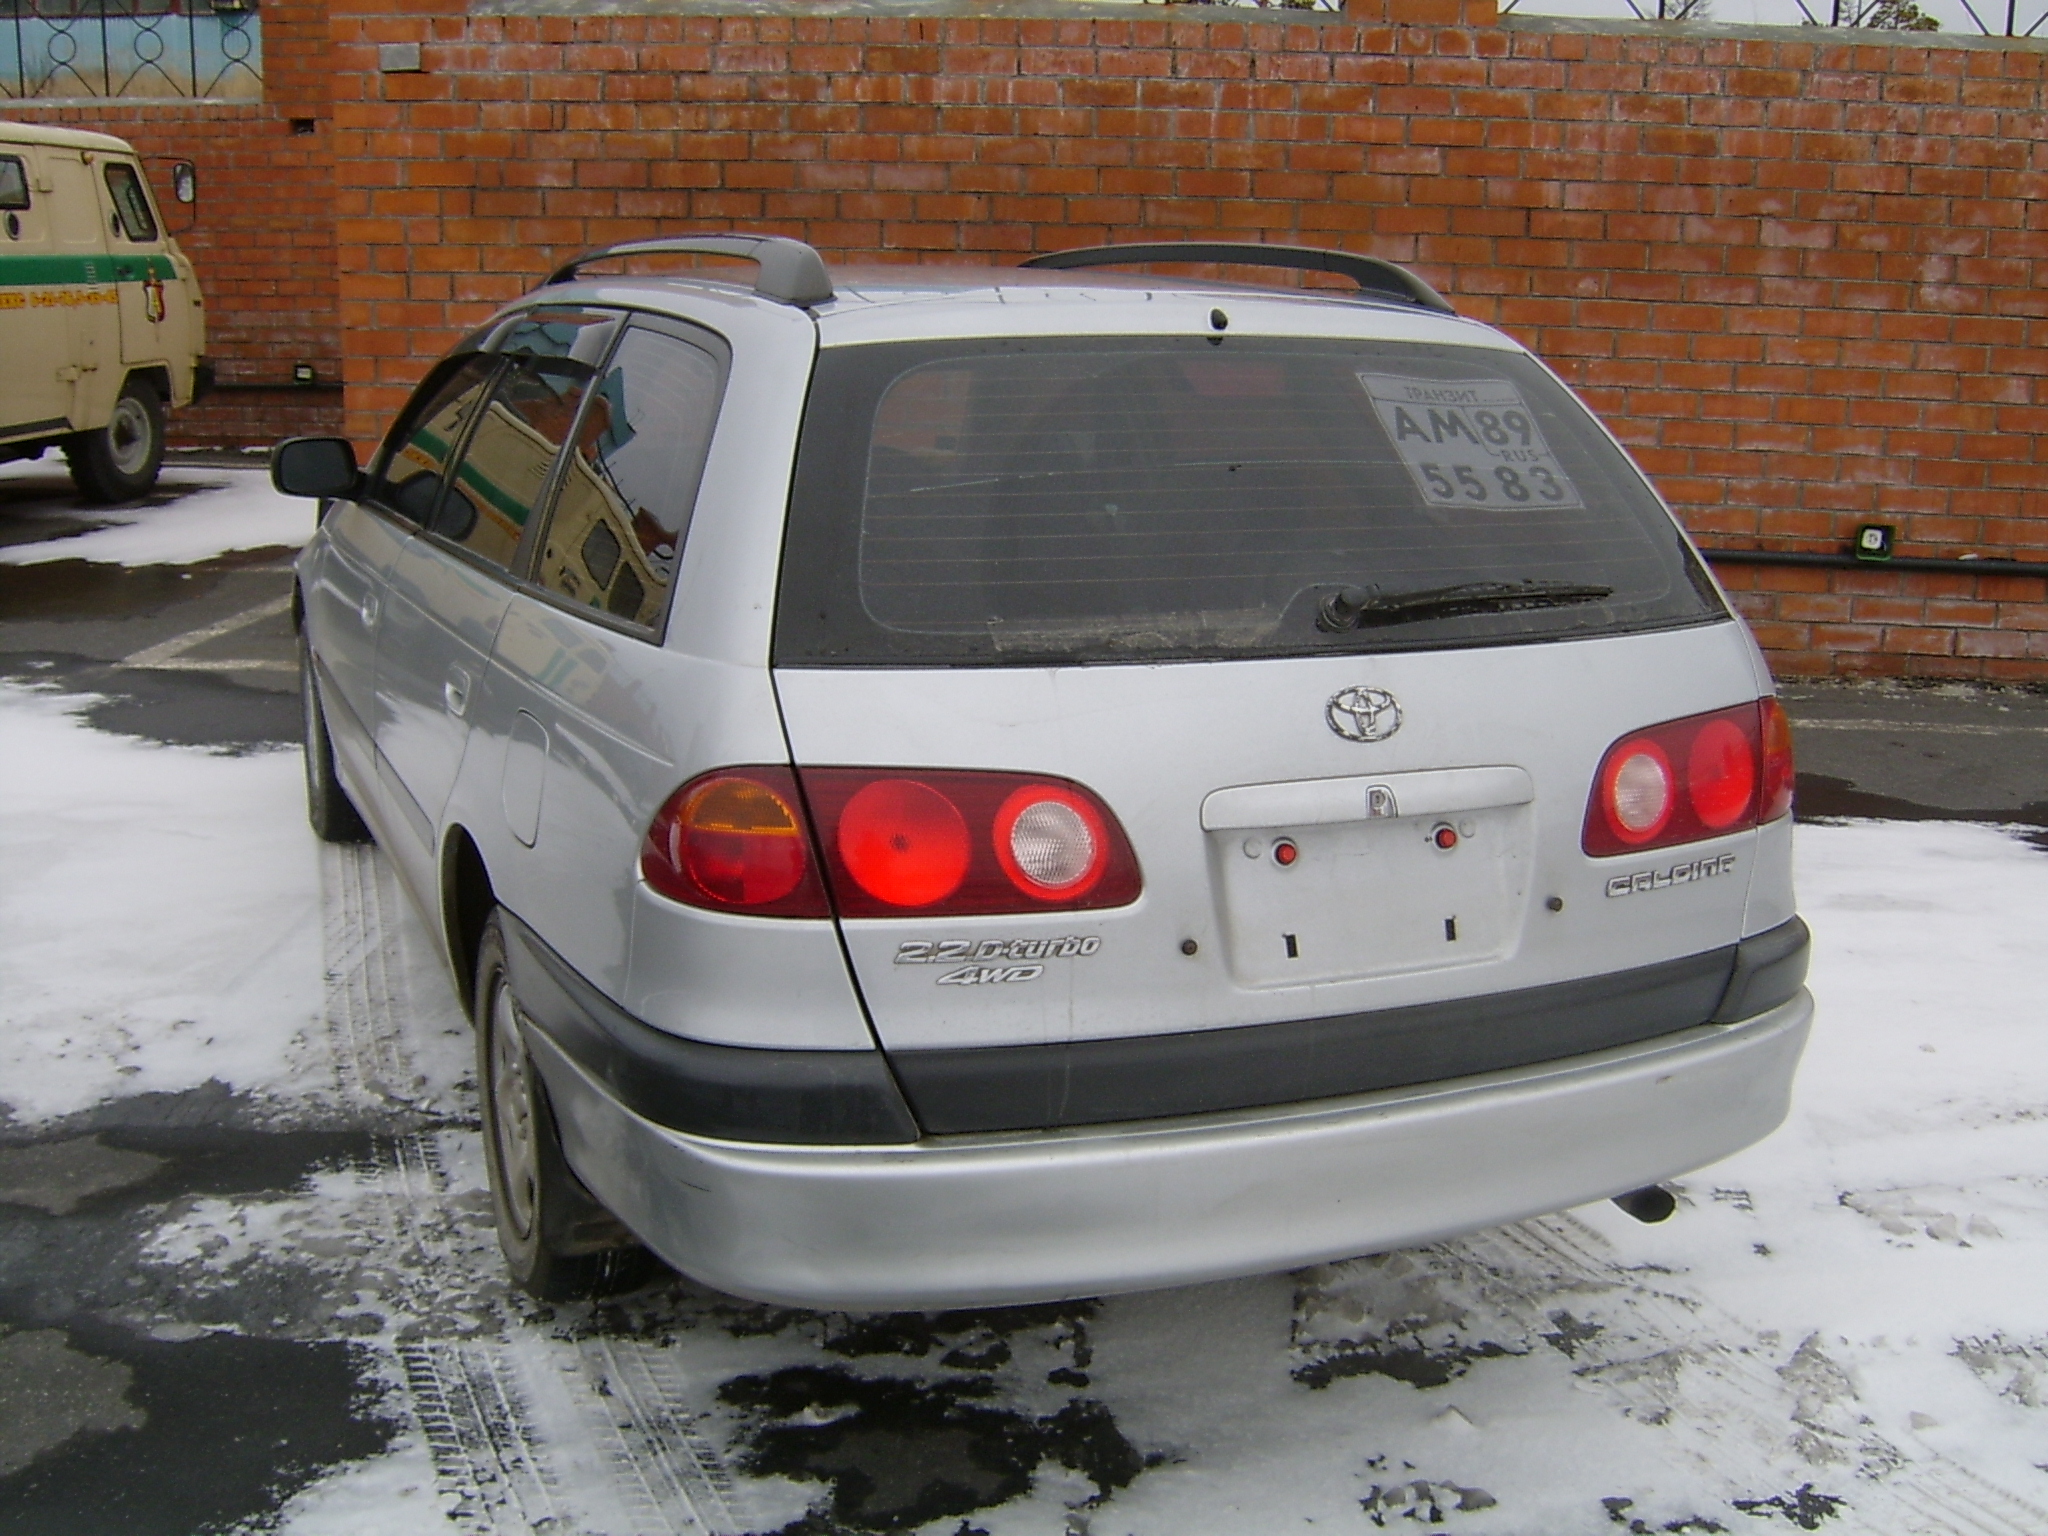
x=1115, y=499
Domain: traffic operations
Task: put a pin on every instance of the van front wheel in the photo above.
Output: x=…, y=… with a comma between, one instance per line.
x=120, y=461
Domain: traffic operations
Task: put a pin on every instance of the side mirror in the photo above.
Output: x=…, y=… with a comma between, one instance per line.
x=315, y=466
x=184, y=181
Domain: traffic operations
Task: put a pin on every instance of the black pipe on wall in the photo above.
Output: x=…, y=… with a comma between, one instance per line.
x=1987, y=566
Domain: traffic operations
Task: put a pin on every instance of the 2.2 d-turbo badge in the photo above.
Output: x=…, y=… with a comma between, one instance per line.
x=987, y=957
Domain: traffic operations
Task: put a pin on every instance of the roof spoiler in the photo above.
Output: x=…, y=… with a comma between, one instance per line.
x=1376, y=278
x=791, y=272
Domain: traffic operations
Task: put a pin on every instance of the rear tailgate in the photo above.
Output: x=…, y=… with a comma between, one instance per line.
x=1338, y=630
x=1371, y=914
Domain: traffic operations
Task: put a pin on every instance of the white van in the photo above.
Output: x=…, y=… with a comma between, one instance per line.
x=101, y=321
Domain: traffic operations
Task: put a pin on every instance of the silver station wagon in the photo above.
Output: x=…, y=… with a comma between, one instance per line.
x=952, y=786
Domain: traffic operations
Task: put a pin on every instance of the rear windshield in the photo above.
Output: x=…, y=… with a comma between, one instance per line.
x=1079, y=500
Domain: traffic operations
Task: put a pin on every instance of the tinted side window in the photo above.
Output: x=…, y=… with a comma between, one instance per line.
x=13, y=183
x=416, y=456
x=505, y=467
x=131, y=204
x=627, y=490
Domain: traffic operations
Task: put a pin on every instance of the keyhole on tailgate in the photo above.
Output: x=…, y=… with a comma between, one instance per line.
x=1450, y=930
x=1293, y=949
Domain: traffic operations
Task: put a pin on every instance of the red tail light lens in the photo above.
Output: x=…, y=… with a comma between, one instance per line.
x=942, y=843
x=1736, y=773
x=1721, y=773
x=735, y=841
x=1022, y=844
x=903, y=842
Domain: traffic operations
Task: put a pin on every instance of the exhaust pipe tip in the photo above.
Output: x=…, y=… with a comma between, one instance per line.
x=1651, y=1204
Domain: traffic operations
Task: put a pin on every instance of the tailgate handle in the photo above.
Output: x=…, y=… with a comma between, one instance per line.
x=1365, y=797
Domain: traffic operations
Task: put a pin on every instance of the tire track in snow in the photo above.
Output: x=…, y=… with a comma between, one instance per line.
x=494, y=1412
x=1733, y=1401
x=366, y=1038
x=1731, y=1407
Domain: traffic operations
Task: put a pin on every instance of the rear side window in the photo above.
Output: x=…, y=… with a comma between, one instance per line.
x=13, y=184
x=1112, y=499
x=623, y=510
x=504, y=473
x=131, y=203
x=417, y=455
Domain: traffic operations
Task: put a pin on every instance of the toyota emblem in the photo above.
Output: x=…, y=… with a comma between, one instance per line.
x=1363, y=714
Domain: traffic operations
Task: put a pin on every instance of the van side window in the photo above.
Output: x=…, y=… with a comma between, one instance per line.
x=417, y=455
x=13, y=184
x=616, y=532
x=131, y=203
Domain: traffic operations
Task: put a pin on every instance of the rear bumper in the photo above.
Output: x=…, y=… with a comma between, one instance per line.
x=1033, y=1216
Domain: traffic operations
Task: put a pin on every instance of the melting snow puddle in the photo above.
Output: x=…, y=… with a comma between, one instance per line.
x=1842, y=1329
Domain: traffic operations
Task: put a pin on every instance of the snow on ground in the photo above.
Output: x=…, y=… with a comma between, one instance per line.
x=1844, y=1328
x=241, y=511
x=161, y=907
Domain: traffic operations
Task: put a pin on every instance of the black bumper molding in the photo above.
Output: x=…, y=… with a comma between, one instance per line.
x=741, y=1093
x=1091, y=1082
x=733, y=1092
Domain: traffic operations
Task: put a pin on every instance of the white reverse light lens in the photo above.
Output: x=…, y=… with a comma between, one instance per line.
x=1052, y=844
x=1642, y=790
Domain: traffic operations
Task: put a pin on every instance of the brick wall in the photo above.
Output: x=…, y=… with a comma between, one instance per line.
x=261, y=235
x=1800, y=274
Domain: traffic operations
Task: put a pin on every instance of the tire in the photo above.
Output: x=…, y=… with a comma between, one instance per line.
x=559, y=1242
x=333, y=815
x=119, y=462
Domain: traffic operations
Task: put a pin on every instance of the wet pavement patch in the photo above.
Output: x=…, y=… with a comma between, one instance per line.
x=1412, y=1362
x=898, y=1454
x=1820, y=797
x=1802, y=1506
x=178, y=709
x=50, y=1392
x=89, y=589
x=1687, y=1525
x=119, y=1184
x=975, y=1340
x=151, y=1164
x=1422, y=1501
x=205, y=1434
x=55, y=1177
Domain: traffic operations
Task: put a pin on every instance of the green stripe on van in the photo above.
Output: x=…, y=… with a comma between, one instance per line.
x=68, y=271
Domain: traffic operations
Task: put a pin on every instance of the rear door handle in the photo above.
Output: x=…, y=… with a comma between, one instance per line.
x=456, y=690
x=368, y=609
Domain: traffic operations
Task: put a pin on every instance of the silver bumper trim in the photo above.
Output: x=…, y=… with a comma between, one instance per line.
x=1036, y=1216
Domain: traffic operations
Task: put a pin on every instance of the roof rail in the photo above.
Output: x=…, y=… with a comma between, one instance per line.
x=791, y=272
x=1381, y=279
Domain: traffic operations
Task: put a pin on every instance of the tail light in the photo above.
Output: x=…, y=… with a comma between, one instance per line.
x=735, y=841
x=954, y=842
x=1691, y=779
x=888, y=843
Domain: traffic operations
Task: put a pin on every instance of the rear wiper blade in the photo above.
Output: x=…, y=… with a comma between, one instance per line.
x=1367, y=607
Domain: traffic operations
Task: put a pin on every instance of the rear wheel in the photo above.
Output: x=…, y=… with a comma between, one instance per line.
x=559, y=1242
x=334, y=816
x=120, y=461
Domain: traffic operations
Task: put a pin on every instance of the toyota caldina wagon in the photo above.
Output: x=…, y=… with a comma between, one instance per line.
x=957, y=786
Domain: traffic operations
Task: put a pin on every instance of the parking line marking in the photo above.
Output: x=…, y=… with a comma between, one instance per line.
x=167, y=654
